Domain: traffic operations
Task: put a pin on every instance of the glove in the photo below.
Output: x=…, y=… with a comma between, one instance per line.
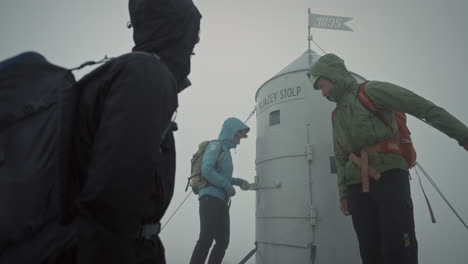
x=464, y=143
x=230, y=191
x=245, y=185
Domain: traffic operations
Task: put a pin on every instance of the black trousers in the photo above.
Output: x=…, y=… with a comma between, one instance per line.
x=214, y=225
x=383, y=219
x=97, y=245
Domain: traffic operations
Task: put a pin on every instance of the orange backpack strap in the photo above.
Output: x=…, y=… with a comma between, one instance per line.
x=403, y=146
x=367, y=102
x=364, y=98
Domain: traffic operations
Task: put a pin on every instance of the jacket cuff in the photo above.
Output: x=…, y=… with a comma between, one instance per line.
x=237, y=181
x=463, y=142
x=343, y=193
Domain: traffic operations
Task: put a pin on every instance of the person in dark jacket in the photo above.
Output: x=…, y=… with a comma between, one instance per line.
x=382, y=209
x=214, y=199
x=124, y=142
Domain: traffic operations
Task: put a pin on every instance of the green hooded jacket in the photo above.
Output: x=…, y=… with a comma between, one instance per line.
x=355, y=127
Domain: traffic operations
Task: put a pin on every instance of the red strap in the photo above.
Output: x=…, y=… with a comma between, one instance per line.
x=364, y=98
x=364, y=171
x=372, y=172
x=385, y=146
x=367, y=102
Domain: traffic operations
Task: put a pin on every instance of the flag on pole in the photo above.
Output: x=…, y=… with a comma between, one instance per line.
x=329, y=22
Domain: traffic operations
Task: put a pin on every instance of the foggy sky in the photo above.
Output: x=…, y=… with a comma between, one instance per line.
x=420, y=45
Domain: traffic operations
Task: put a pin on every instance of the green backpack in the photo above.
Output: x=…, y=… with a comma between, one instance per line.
x=196, y=180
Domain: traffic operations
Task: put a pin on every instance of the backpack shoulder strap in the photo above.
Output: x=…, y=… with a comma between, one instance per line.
x=364, y=98
x=367, y=102
x=221, y=154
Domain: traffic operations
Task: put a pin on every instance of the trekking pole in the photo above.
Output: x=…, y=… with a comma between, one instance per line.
x=176, y=210
x=249, y=255
x=440, y=193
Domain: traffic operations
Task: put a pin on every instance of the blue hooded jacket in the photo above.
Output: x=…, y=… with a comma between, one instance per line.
x=219, y=172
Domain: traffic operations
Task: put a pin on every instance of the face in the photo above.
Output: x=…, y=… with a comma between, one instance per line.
x=239, y=135
x=324, y=85
x=197, y=40
x=186, y=82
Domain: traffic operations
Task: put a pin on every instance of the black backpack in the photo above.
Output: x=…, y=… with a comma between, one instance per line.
x=37, y=107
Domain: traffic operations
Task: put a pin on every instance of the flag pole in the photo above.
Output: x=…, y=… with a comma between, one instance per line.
x=309, y=38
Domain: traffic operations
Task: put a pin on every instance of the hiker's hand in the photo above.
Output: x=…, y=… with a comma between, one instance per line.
x=344, y=207
x=464, y=143
x=230, y=191
x=245, y=185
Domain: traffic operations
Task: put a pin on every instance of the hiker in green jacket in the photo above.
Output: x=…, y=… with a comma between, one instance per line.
x=380, y=206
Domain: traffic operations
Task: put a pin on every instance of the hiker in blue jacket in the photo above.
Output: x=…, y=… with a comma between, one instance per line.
x=214, y=199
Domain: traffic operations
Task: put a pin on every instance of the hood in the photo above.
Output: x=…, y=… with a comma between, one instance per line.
x=333, y=68
x=230, y=127
x=169, y=28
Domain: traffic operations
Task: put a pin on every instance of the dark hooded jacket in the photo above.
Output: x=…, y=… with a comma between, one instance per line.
x=124, y=143
x=355, y=127
x=168, y=28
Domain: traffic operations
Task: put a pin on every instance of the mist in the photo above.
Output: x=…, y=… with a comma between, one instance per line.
x=419, y=45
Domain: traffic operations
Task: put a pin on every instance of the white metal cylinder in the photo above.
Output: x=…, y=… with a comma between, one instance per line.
x=297, y=209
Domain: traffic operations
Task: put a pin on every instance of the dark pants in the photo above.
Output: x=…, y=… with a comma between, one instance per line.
x=97, y=245
x=214, y=225
x=383, y=220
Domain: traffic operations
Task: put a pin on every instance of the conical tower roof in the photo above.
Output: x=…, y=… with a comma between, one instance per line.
x=301, y=63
